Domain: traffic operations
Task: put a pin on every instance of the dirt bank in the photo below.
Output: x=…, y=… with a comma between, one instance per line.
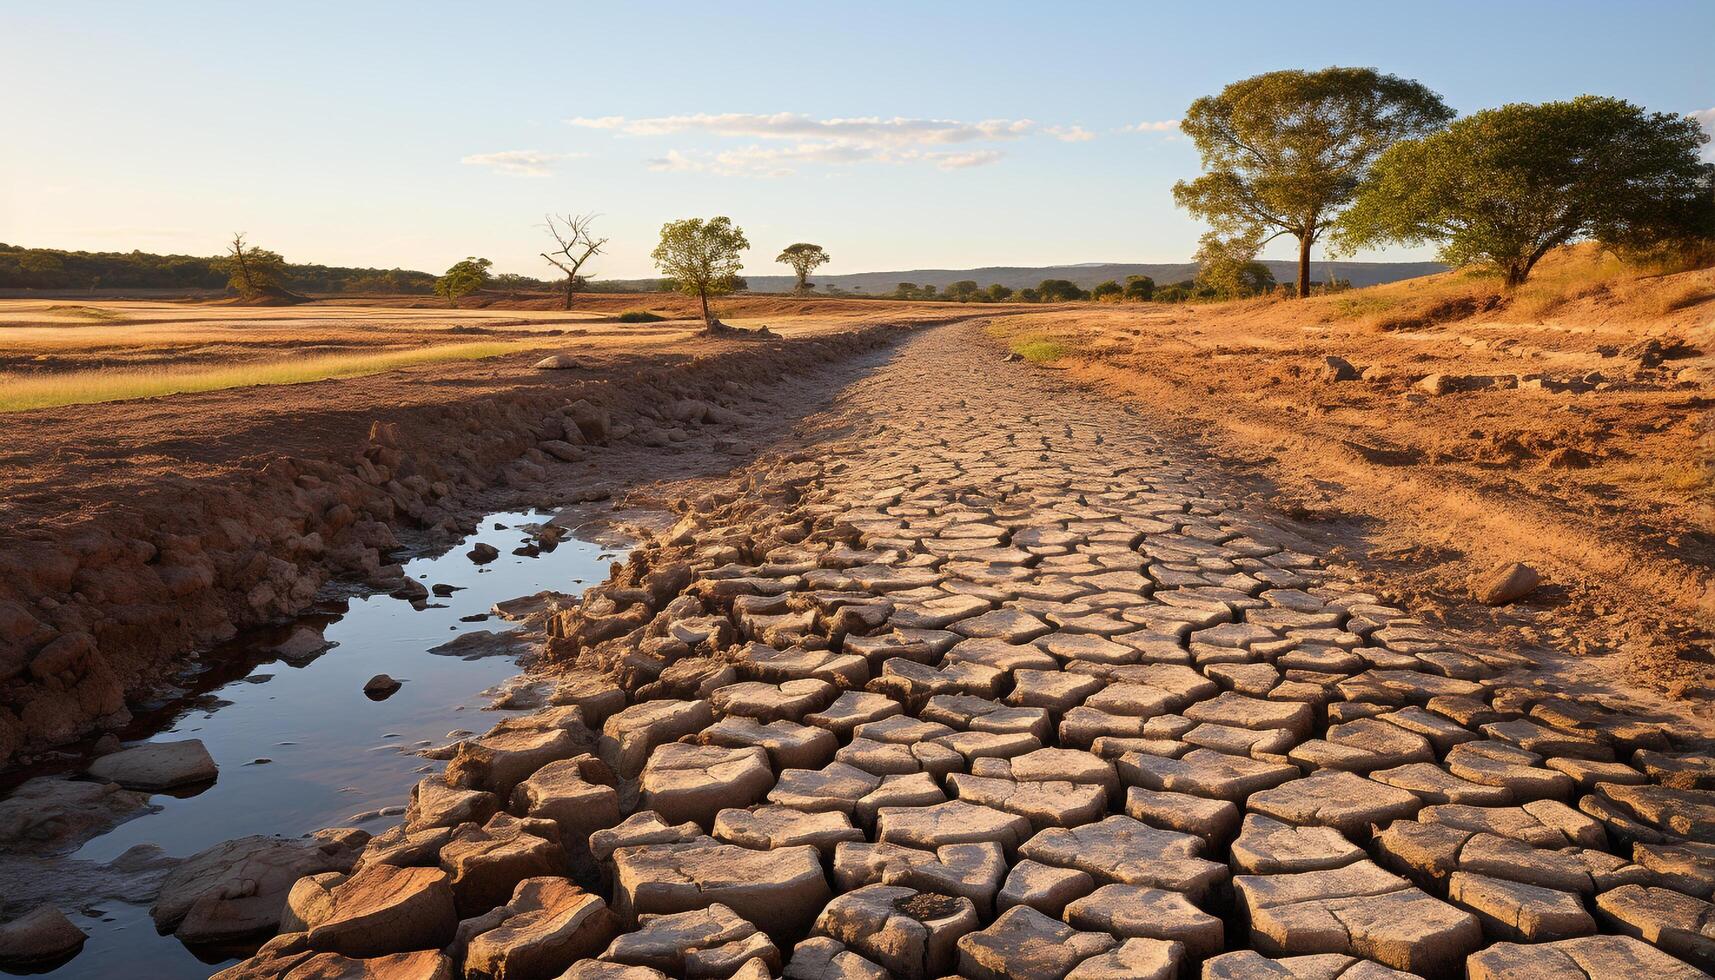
x=138, y=532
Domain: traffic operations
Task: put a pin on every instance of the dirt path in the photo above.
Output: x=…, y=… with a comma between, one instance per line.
x=979, y=674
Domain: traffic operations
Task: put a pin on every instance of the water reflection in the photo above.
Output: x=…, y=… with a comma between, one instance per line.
x=301, y=747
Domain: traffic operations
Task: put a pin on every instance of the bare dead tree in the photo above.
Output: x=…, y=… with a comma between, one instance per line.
x=577, y=245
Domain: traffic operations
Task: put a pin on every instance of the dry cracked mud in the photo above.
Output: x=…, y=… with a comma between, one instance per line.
x=977, y=675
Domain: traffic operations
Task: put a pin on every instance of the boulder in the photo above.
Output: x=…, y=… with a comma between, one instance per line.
x=550, y=924
x=237, y=889
x=40, y=936
x=779, y=890
x=47, y=815
x=913, y=935
x=486, y=863
x=695, y=782
x=157, y=765
x=1506, y=583
x=383, y=910
x=711, y=942
x=1024, y=944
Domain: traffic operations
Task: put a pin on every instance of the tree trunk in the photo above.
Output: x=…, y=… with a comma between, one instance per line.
x=708, y=321
x=568, y=292
x=1304, y=241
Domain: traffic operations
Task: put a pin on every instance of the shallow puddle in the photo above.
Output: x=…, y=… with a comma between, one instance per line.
x=302, y=747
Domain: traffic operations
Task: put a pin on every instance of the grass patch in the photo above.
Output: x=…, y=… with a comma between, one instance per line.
x=1360, y=305
x=23, y=392
x=1691, y=294
x=1039, y=351
x=640, y=316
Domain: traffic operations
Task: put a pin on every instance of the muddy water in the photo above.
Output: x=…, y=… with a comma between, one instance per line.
x=302, y=747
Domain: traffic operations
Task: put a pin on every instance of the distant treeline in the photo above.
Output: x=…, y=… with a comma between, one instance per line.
x=51, y=268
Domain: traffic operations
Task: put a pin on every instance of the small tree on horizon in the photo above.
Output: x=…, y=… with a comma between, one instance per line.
x=462, y=279
x=577, y=245
x=804, y=258
x=702, y=258
x=1140, y=288
x=1284, y=151
x=1505, y=186
x=252, y=271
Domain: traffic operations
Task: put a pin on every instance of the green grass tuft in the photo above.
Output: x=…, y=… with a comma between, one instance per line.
x=1039, y=351
x=640, y=316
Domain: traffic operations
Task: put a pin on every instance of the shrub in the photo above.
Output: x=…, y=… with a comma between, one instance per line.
x=640, y=316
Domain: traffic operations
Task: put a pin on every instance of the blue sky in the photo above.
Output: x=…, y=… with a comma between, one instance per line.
x=898, y=135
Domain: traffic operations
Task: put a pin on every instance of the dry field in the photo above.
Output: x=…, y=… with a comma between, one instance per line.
x=1569, y=429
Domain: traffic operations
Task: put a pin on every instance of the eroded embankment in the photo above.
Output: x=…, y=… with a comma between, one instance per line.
x=93, y=611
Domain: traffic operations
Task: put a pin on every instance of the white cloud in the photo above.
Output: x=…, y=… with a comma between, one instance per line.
x=1070, y=134
x=1161, y=126
x=897, y=131
x=962, y=161
x=520, y=163
x=1706, y=119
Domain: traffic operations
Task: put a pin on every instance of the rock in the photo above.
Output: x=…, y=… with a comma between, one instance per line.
x=1135, y=959
x=557, y=362
x=695, y=782
x=157, y=765
x=48, y=815
x=1330, y=798
x=1268, y=846
x=237, y=889
x=305, y=644
x=380, y=687
x=1135, y=912
x=1247, y=964
x=551, y=924
x=500, y=760
x=486, y=863
x=779, y=890
x=1024, y=944
x=1579, y=959
x=1505, y=583
x=711, y=942
x=640, y=829
x=435, y=804
x=1043, y=887
x=913, y=935
x=953, y=822
x=821, y=958
x=969, y=871
x=1516, y=911
x=1337, y=368
x=578, y=794
x=383, y=910
x=301, y=964
x=1122, y=850
x=1358, y=910
x=482, y=553
x=1670, y=921
x=630, y=735
x=42, y=935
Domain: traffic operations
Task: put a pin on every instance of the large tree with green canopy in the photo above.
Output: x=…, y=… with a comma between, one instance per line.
x=1505, y=186
x=1284, y=151
x=701, y=257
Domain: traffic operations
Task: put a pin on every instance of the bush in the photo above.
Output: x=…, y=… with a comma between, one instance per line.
x=640, y=316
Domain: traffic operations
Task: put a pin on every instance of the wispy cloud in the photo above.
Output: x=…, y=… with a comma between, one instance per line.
x=1159, y=126
x=963, y=161
x=897, y=131
x=520, y=163
x=1706, y=119
x=787, y=141
x=1070, y=134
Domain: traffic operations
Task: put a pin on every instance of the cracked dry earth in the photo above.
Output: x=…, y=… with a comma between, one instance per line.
x=982, y=679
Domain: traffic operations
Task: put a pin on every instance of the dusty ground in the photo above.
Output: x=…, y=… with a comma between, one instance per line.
x=1573, y=434
x=980, y=670
x=981, y=673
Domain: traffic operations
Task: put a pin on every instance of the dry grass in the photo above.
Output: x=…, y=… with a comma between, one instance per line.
x=23, y=392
